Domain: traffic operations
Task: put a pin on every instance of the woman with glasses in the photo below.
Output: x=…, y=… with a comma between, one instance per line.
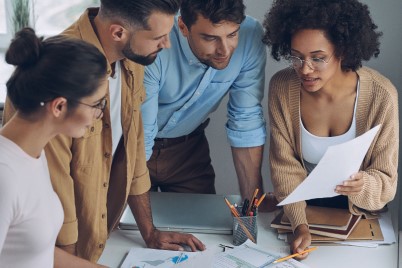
x=57, y=87
x=326, y=98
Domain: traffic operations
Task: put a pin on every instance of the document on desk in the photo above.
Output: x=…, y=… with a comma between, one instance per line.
x=337, y=165
x=155, y=258
x=249, y=255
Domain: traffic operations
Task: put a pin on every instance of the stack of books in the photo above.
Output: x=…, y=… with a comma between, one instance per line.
x=332, y=224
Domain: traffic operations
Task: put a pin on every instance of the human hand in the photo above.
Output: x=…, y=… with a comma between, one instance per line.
x=302, y=241
x=353, y=186
x=173, y=241
x=269, y=203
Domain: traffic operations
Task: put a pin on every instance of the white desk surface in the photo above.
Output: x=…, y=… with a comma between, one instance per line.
x=384, y=256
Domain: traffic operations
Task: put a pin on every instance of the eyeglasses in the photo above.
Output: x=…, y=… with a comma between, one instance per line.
x=100, y=107
x=315, y=64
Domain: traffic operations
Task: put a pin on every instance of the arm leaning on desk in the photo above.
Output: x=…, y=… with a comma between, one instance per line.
x=120, y=242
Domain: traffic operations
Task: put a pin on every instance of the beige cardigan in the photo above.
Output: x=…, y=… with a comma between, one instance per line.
x=377, y=104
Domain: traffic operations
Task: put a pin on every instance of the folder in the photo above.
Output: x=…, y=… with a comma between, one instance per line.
x=320, y=230
x=366, y=230
x=331, y=218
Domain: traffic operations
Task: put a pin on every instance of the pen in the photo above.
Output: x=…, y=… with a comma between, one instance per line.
x=232, y=208
x=294, y=255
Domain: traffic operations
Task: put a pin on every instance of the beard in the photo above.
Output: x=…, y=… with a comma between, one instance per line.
x=140, y=59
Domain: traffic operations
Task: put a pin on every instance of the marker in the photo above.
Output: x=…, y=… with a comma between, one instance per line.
x=245, y=207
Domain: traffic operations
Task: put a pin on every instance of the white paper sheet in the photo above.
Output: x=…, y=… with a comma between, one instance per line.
x=337, y=165
x=147, y=258
x=251, y=256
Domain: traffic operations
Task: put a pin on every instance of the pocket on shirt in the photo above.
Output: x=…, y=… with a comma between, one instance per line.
x=89, y=147
x=95, y=129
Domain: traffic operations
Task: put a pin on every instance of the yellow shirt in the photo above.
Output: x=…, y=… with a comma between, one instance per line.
x=93, y=191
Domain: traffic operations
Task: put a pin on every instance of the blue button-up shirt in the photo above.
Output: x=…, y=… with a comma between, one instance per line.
x=182, y=91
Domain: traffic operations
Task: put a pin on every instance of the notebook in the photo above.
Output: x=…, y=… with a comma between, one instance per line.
x=331, y=218
x=187, y=212
x=341, y=234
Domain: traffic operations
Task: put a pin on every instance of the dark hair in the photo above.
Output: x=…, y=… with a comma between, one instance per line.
x=137, y=12
x=347, y=25
x=214, y=10
x=56, y=67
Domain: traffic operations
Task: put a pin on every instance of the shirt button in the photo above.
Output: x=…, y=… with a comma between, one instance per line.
x=101, y=245
x=103, y=215
x=92, y=129
x=105, y=184
x=107, y=155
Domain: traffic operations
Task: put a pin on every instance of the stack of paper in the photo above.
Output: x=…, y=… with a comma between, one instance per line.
x=321, y=222
x=330, y=224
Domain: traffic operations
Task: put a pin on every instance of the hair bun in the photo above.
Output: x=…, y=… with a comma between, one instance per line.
x=25, y=47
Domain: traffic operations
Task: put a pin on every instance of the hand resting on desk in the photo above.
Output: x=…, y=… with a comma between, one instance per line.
x=174, y=241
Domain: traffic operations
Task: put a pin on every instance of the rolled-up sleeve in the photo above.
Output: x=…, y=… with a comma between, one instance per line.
x=246, y=123
x=150, y=106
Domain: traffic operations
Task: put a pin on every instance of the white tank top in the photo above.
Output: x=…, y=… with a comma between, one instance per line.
x=314, y=147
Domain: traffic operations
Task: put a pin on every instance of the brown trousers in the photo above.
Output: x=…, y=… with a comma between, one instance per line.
x=182, y=165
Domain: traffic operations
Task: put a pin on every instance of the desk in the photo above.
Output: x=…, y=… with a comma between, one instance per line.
x=386, y=256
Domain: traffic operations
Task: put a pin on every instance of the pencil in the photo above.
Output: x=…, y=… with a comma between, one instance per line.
x=255, y=194
x=252, y=201
x=294, y=255
x=260, y=200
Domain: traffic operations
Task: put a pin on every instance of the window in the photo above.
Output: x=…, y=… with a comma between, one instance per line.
x=49, y=18
x=3, y=26
x=52, y=17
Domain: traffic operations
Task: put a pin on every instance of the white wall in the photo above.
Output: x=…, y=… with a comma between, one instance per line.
x=386, y=14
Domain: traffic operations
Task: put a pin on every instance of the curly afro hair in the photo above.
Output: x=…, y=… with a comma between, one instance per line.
x=347, y=25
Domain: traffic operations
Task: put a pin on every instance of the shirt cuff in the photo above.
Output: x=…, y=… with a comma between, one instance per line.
x=140, y=184
x=296, y=214
x=68, y=234
x=243, y=139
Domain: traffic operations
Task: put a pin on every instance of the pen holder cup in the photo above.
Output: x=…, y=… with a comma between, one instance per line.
x=244, y=228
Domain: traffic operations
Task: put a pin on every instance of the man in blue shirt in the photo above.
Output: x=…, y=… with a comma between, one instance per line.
x=215, y=50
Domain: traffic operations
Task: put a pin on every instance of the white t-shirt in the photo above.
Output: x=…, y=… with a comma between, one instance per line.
x=31, y=214
x=115, y=106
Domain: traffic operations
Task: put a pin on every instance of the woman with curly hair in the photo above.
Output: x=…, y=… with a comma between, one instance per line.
x=327, y=98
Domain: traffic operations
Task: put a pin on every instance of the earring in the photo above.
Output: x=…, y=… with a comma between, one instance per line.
x=42, y=103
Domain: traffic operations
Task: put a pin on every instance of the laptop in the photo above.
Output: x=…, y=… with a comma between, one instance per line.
x=187, y=212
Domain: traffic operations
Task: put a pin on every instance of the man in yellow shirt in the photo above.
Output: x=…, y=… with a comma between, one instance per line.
x=96, y=175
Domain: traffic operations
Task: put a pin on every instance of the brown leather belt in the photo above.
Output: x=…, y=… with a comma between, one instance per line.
x=161, y=143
